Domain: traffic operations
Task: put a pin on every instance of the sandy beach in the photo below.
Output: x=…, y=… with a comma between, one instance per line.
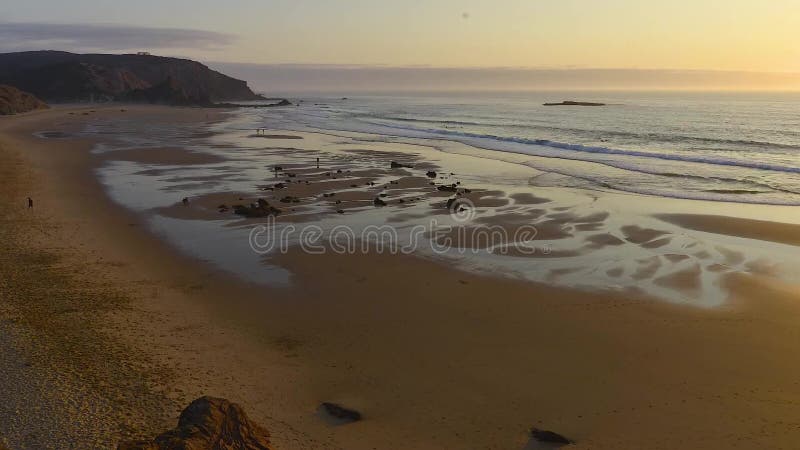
x=109, y=331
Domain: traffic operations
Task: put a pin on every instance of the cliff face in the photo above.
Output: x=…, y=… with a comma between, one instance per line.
x=169, y=91
x=67, y=77
x=14, y=101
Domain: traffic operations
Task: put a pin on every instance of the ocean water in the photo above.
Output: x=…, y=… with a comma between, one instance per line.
x=732, y=147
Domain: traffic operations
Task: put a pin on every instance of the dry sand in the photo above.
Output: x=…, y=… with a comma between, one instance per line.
x=107, y=331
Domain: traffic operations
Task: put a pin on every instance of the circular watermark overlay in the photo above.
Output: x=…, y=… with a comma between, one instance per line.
x=462, y=210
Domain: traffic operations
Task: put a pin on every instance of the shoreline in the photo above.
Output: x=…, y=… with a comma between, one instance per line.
x=472, y=372
x=602, y=163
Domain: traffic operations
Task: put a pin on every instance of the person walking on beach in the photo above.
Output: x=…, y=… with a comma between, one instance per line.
x=30, y=203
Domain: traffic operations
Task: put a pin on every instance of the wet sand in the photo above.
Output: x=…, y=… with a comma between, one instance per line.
x=164, y=156
x=763, y=230
x=432, y=356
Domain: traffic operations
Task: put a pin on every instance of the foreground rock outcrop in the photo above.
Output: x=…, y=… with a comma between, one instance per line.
x=208, y=423
x=14, y=101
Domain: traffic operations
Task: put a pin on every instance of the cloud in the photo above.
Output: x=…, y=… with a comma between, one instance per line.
x=18, y=36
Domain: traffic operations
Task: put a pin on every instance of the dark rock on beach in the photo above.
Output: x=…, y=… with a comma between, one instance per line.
x=549, y=437
x=208, y=423
x=290, y=199
x=260, y=209
x=431, y=174
x=397, y=165
x=340, y=412
x=378, y=202
x=241, y=210
x=447, y=188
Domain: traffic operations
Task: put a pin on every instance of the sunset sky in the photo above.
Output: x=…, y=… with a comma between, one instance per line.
x=678, y=34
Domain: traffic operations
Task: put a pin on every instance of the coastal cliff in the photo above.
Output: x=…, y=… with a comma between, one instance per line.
x=68, y=77
x=14, y=101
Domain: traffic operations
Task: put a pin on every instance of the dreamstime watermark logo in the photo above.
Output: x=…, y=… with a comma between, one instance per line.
x=461, y=234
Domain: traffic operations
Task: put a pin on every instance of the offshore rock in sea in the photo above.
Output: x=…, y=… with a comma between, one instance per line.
x=208, y=423
x=574, y=103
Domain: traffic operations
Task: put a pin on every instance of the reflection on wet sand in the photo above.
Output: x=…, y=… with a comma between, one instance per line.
x=359, y=181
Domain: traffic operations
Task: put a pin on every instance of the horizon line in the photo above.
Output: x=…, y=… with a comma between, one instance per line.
x=531, y=68
x=433, y=67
